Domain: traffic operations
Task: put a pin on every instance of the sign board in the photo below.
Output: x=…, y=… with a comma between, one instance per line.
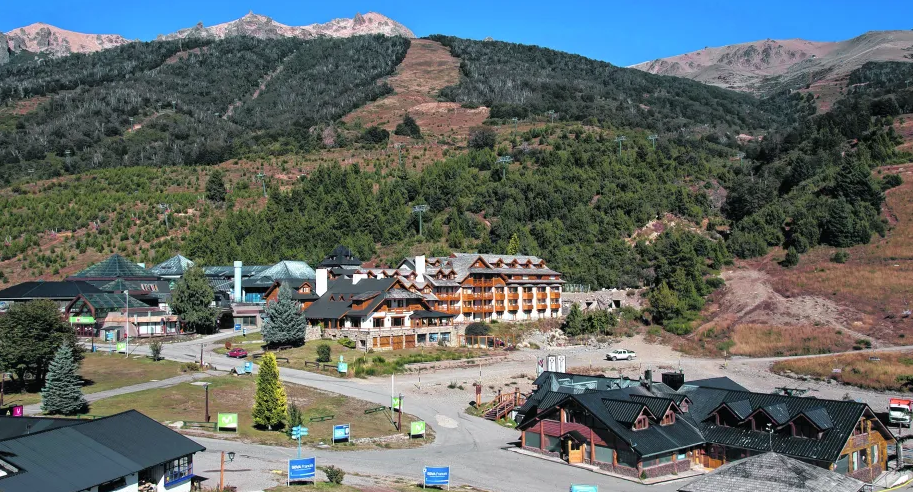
x=439, y=475
x=82, y=320
x=417, y=428
x=228, y=421
x=303, y=469
x=342, y=367
x=540, y=366
x=341, y=432
x=299, y=432
x=4, y=306
x=248, y=367
x=395, y=404
x=562, y=363
x=237, y=326
x=244, y=330
x=109, y=336
x=551, y=363
x=122, y=347
x=584, y=488
x=18, y=411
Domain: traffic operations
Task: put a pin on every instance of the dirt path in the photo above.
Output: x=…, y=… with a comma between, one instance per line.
x=427, y=68
x=237, y=104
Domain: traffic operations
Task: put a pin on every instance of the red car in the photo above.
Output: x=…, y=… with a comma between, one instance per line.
x=238, y=352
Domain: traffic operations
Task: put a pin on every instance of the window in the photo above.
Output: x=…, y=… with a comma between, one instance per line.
x=802, y=428
x=641, y=423
x=657, y=461
x=179, y=470
x=874, y=454
x=681, y=456
x=604, y=454
x=533, y=439
x=668, y=419
x=553, y=444
x=626, y=457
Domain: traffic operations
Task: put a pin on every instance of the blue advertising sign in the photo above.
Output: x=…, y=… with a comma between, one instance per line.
x=237, y=326
x=303, y=469
x=248, y=367
x=584, y=488
x=341, y=432
x=439, y=475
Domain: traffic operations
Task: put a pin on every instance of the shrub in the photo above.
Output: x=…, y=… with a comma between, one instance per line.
x=408, y=128
x=477, y=329
x=334, y=474
x=715, y=282
x=375, y=135
x=346, y=342
x=840, y=256
x=482, y=137
x=323, y=353
x=190, y=367
x=792, y=258
x=156, y=348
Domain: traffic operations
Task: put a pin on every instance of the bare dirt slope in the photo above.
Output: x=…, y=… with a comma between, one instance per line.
x=748, y=66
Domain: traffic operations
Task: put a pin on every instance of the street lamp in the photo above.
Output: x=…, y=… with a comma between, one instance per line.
x=231, y=456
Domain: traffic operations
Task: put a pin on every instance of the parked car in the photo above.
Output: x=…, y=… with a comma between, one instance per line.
x=237, y=352
x=621, y=354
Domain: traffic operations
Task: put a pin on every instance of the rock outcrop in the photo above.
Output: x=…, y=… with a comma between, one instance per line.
x=45, y=38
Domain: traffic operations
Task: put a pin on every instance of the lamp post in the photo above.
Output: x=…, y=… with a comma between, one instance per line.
x=231, y=457
x=206, y=410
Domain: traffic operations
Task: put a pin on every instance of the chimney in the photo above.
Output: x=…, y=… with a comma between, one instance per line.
x=238, y=296
x=321, y=281
x=358, y=277
x=648, y=378
x=674, y=380
x=420, y=268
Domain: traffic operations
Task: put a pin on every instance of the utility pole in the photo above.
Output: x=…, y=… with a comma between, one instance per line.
x=620, y=139
x=516, y=122
x=67, y=152
x=399, y=147
x=131, y=123
x=126, y=322
x=206, y=411
x=420, y=209
x=653, y=139
x=221, y=470
x=399, y=417
x=165, y=208
x=551, y=115
x=261, y=177
x=505, y=162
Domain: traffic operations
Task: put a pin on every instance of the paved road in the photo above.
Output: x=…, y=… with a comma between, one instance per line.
x=475, y=448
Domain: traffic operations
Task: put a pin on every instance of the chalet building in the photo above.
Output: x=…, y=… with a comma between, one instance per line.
x=479, y=287
x=125, y=452
x=341, y=262
x=651, y=429
x=772, y=472
x=87, y=312
x=141, y=322
x=59, y=292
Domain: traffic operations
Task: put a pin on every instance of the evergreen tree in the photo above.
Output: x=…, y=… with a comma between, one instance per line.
x=215, y=187
x=792, y=258
x=270, y=400
x=408, y=128
x=30, y=335
x=191, y=299
x=513, y=247
x=573, y=323
x=62, y=393
x=285, y=322
x=664, y=303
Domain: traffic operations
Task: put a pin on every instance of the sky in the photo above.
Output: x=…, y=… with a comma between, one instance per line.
x=622, y=32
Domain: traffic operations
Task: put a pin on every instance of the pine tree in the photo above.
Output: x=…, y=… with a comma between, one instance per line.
x=215, y=187
x=62, y=393
x=573, y=323
x=792, y=258
x=270, y=400
x=285, y=322
x=513, y=247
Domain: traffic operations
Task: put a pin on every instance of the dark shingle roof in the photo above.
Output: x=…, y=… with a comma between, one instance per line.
x=19, y=426
x=288, y=270
x=90, y=452
x=47, y=290
x=723, y=383
x=625, y=412
x=346, y=289
x=772, y=472
x=115, y=266
x=819, y=417
x=777, y=412
x=341, y=256
x=741, y=409
x=111, y=301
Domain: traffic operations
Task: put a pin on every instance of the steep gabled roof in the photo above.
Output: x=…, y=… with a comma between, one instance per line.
x=341, y=256
x=288, y=270
x=775, y=473
x=115, y=266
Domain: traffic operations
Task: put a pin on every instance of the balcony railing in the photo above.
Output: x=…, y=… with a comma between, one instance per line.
x=556, y=305
x=499, y=307
x=484, y=295
x=527, y=296
x=556, y=295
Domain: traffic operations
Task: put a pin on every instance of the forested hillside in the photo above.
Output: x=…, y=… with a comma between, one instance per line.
x=518, y=80
x=192, y=102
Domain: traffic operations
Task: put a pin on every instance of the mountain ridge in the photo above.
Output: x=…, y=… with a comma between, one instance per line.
x=40, y=37
x=759, y=65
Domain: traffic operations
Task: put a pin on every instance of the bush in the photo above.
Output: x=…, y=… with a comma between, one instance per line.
x=840, y=256
x=334, y=474
x=346, y=342
x=408, y=128
x=792, y=258
x=375, y=135
x=477, y=329
x=482, y=137
x=190, y=367
x=323, y=353
x=156, y=348
x=715, y=282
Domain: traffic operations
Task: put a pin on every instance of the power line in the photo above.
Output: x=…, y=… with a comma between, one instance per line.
x=620, y=139
x=505, y=162
x=653, y=139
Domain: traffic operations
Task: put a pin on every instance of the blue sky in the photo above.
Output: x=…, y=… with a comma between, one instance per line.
x=621, y=32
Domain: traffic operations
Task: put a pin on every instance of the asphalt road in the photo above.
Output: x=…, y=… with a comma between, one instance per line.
x=474, y=448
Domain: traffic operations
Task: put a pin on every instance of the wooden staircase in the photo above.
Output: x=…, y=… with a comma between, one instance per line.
x=503, y=404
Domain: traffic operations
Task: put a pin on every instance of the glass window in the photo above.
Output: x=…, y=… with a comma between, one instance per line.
x=626, y=457
x=445, y=337
x=682, y=456
x=552, y=444
x=843, y=464
x=856, y=461
x=532, y=439
x=604, y=454
x=179, y=470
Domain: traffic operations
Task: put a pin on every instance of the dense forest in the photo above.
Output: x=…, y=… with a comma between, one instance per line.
x=518, y=80
x=192, y=102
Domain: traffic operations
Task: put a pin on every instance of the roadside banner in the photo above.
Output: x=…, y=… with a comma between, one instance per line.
x=395, y=404
x=562, y=363
x=82, y=320
x=303, y=469
x=342, y=367
x=436, y=475
x=228, y=421
x=584, y=488
x=540, y=365
x=341, y=432
x=122, y=347
x=18, y=411
x=417, y=428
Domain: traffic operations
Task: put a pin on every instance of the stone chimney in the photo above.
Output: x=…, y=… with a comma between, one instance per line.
x=321, y=281
x=238, y=296
x=420, y=268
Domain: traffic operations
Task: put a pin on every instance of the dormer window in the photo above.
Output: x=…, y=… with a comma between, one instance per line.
x=668, y=419
x=641, y=423
x=803, y=428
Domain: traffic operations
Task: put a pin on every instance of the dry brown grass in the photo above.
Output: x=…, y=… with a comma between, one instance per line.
x=855, y=369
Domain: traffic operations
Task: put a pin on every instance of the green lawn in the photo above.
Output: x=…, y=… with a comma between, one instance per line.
x=105, y=371
x=235, y=394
